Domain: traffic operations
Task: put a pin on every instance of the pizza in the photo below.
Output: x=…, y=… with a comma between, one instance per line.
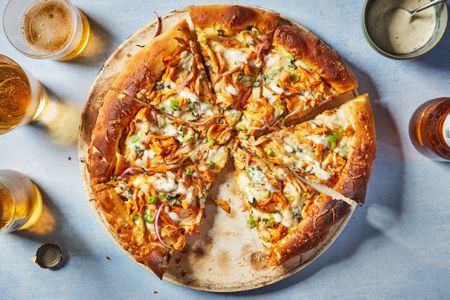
x=236, y=85
x=300, y=73
x=335, y=148
x=290, y=216
x=233, y=41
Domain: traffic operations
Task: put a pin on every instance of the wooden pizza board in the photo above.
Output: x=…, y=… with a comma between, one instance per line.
x=226, y=255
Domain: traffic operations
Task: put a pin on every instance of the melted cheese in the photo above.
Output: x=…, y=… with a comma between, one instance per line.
x=188, y=94
x=218, y=156
x=319, y=139
x=235, y=58
x=164, y=184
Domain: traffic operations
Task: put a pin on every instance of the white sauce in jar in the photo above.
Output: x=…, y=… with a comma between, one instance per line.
x=394, y=30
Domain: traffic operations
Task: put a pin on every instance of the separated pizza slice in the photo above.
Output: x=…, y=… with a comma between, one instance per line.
x=335, y=149
x=233, y=41
x=169, y=74
x=291, y=217
x=152, y=212
x=300, y=72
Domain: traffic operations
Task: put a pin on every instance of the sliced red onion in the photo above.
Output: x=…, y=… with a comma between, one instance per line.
x=186, y=81
x=261, y=48
x=155, y=117
x=156, y=225
x=130, y=169
x=158, y=24
x=244, y=99
x=221, y=75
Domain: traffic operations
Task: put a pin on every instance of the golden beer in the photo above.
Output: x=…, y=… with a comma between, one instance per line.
x=47, y=28
x=22, y=98
x=20, y=201
x=15, y=96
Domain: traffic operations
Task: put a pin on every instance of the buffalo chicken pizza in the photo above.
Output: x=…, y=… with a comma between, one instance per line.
x=235, y=85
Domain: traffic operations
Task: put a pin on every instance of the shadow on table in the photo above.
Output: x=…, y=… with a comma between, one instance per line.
x=53, y=228
x=98, y=47
x=59, y=120
x=439, y=57
x=383, y=201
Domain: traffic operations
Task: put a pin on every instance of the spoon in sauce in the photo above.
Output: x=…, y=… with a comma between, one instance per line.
x=423, y=7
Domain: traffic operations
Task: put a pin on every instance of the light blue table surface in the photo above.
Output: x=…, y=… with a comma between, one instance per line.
x=396, y=246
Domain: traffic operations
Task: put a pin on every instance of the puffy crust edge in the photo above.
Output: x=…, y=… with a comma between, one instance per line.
x=358, y=169
x=118, y=107
x=147, y=66
x=151, y=255
x=321, y=218
x=316, y=54
x=233, y=17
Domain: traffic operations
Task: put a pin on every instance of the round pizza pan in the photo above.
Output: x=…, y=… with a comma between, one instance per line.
x=226, y=255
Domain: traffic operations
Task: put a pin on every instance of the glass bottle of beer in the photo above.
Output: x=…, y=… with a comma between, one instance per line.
x=429, y=129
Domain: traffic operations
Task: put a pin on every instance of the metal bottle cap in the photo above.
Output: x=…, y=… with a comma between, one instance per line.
x=49, y=256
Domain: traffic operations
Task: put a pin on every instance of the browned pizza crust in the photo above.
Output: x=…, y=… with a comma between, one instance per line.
x=316, y=54
x=233, y=18
x=153, y=255
x=146, y=67
x=319, y=220
x=118, y=109
x=142, y=72
x=357, y=171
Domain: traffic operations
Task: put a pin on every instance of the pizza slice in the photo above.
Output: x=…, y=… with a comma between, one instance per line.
x=233, y=40
x=290, y=216
x=300, y=72
x=149, y=170
x=169, y=74
x=335, y=149
x=152, y=174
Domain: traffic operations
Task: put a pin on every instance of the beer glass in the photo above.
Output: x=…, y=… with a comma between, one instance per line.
x=53, y=29
x=22, y=98
x=20, y=201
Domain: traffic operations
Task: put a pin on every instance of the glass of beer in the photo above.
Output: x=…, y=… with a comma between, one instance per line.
x=22, y=98
x=20, y=201
x=52, y=29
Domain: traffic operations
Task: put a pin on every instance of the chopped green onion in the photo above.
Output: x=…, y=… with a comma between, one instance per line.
x=134, y=139
x=211, y=164
x=240, y=76
x=135, y=218
x=249, y=173
x=152, y=200
x=189, y=171
x=306, y=196
x=148, y=218
x=251, y=222
x=241, y=127
x=269, y=151
x=221, y=32
x=332, y=139
x=289, y=197
x=162, y=196
x=187, y=138
x=211, y=141
x=174, y=104
x=255, y=31
x=265, y=194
